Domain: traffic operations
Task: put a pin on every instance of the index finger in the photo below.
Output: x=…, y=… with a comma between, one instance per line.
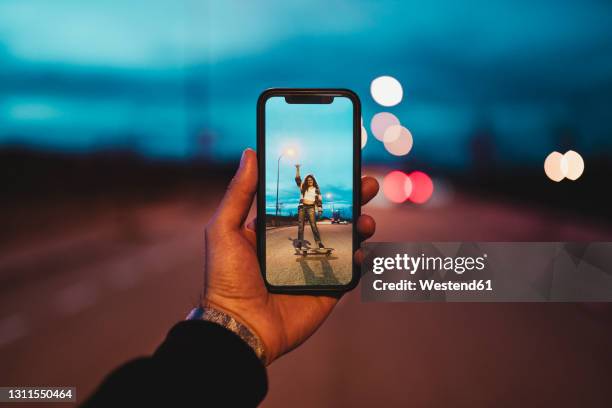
x=369, y=189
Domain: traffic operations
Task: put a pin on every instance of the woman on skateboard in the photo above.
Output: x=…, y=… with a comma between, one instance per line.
x=310, y=202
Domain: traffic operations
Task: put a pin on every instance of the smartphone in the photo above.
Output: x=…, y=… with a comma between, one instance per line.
x=309, y=194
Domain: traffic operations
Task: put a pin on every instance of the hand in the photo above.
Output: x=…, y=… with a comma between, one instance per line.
x=297, y=166
x=232, y=278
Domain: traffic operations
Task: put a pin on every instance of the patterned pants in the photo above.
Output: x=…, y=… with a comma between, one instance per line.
x=307, y=211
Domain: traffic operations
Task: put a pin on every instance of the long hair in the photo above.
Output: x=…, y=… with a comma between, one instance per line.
x=305, y=183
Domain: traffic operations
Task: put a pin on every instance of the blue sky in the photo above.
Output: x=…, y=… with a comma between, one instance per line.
x=179, y=79
x=321, y=137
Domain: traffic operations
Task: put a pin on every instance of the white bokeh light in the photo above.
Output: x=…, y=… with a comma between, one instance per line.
x=572, y=165
x=380, y=122
x=393, y=133
x=386, y=91
x=400, y=143
x=553, y=166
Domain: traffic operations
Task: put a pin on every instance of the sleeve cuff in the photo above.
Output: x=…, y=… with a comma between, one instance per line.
x=195, y=346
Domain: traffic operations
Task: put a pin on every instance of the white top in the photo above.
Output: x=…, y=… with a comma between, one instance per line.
x=310, y=195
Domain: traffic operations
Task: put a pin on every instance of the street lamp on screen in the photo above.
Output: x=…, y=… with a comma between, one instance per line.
x=287, y=152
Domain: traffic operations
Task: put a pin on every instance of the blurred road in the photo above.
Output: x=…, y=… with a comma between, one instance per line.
x=84, y=297
x=287, y=268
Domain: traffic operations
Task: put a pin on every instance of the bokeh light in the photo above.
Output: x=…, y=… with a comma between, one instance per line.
x=398, y=140
x=380, y=122
x=386, y=91
x=572, y=165
x=422, y=187
x=553, y=166
x=364, y=136
x=408, y=187
x=392, y=133
x=394, y=186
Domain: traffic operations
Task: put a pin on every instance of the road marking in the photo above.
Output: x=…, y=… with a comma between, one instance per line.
x=74, y=298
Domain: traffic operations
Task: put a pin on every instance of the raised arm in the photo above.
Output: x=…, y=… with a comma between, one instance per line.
x=298, y=179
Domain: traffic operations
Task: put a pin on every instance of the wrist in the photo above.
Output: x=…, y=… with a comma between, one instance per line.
x=228, y=321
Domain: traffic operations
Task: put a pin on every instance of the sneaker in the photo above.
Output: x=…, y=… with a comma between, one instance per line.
x=321, y=245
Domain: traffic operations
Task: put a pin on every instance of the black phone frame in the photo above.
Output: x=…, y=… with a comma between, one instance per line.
x=261, y=208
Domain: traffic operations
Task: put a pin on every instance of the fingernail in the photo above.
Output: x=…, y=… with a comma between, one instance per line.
x=242, y=158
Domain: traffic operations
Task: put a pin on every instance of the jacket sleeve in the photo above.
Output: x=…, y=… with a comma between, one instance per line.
x=319, y=200
x=199, y=364
x=298, y=181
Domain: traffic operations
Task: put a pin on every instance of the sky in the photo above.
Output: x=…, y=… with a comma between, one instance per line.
x=319, y=137
x=180, y=79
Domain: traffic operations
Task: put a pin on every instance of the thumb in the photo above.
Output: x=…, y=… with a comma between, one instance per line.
x=238, y=198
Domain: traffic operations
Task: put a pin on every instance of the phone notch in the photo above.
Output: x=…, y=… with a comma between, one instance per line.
x=313, y=99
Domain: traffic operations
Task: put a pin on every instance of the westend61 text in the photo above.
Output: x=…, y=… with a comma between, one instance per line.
x=429, y=285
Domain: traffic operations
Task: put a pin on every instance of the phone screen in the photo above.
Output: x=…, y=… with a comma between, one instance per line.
x=309, y=191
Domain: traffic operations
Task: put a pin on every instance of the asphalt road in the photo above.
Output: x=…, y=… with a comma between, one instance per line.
x=286, y=268
x=83, y=297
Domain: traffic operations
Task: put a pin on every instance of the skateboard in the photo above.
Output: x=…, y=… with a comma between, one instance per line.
x=314, y=251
